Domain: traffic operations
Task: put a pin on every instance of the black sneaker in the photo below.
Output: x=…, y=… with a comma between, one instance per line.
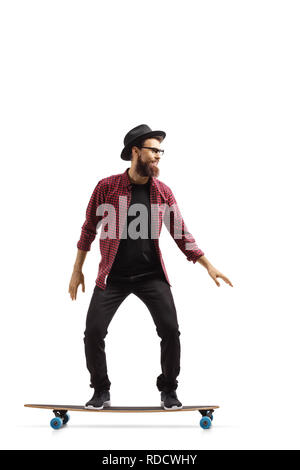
x=99, y=400
x=169, y=401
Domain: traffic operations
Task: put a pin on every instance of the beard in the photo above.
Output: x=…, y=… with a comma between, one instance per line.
x=146, y=168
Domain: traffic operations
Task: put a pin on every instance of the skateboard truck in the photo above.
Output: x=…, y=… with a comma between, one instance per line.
x=208, y=413
x=61, y=417
x=207, y=417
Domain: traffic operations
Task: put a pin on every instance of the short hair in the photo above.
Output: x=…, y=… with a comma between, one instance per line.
x=140, y=143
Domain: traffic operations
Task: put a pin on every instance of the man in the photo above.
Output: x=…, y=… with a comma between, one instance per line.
x=132, y=262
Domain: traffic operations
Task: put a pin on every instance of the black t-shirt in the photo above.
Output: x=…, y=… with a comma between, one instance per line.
x=137, y=258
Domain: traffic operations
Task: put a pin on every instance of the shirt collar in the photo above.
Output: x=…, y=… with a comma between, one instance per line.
x=127, y=183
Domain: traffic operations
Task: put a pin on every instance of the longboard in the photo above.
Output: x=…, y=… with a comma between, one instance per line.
x=62, y=416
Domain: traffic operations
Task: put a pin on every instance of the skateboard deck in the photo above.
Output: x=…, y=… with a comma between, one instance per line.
x=62, y=415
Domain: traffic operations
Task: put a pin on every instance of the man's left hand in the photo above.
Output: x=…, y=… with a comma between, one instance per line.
x=214, y=273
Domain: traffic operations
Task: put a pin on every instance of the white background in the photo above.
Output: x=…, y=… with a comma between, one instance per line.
x=221, y=78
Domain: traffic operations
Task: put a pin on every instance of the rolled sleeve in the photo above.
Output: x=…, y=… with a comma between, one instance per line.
x=92, y=220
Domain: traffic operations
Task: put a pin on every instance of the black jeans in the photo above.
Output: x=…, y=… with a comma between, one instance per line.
x=156, y=294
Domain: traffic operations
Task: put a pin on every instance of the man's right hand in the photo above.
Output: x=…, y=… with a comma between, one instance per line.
x=76, y=279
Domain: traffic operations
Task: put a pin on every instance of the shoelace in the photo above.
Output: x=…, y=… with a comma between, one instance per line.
x=171, y=394
x=98, y=394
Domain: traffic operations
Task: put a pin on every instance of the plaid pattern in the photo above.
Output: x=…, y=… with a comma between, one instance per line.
x=116, y=190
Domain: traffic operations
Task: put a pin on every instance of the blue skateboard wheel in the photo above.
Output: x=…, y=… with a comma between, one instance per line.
x=205, y=422
x=56, y=423
x=66, y=418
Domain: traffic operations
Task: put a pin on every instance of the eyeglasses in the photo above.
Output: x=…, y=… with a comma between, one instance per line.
x=154, y=150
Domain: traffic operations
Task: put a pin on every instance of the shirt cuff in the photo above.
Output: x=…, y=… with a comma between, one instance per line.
x=83, y=245
x=195, y=255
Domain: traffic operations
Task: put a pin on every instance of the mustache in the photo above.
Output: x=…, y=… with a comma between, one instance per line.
x=145, y=168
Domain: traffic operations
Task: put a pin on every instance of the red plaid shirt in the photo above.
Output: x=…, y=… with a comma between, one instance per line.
x=108, y=190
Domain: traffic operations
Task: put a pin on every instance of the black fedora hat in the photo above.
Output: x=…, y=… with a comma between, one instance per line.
x=135, y=135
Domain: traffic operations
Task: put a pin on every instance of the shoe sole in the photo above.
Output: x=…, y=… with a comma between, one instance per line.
x=175, y=407
x=91, y=407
